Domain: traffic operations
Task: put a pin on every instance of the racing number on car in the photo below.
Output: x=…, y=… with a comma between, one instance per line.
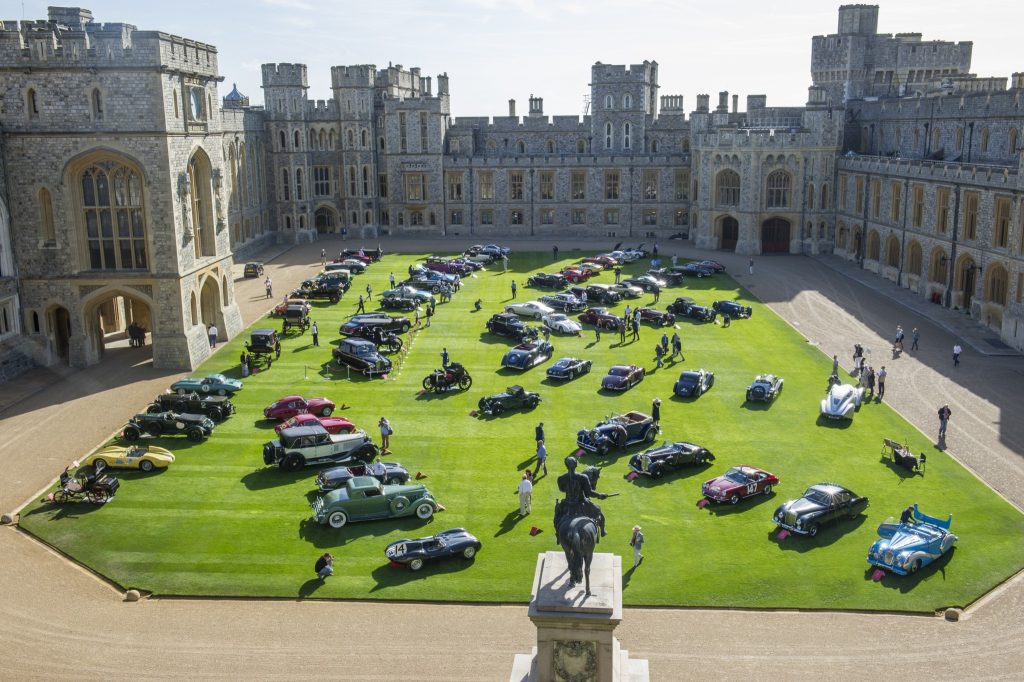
x=751, y=488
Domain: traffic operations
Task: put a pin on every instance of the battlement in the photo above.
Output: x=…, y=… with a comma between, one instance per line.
x=858, y=19
x=284, y=75
x=356, y=76
x=322, y=109
x=620, y=73
x=990, y=175
x=510, y=124
x=672, y=105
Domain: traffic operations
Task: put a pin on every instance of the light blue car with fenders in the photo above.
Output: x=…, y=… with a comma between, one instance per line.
x=906, y=548
x=217, y=384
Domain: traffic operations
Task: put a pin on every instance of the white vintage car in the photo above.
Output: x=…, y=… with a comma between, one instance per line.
x=562, y=324
x=841, y=401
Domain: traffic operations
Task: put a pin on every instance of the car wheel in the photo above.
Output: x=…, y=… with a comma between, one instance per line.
x=394, y=480
x=146, y=465
x=195, y=435
x=326, y=412
x=221, y=391
x=497, y=409
x=537, y=316
x=416, y=564
x=767, y=490
x=469, y=552
x=652, y=433
x=916, y=566
x=735, y=499
x=657, y=472
x=405, y=327
x=398, y=504
x=132, y=433
x=154, y=430
x=337, y=519
x=154, y=409
x=602, y=449
x=425, y=511
x=812, y=529
x=533, y=403
x=215, y=414
x=99, y=465
x=292, y=462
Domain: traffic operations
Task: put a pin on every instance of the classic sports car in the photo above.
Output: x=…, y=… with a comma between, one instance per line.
x=365, y=498
x=685, y=307
x=656, y=317
x=330, y=424
x=908, y=547
x=669, y=277
x=361, y=355
x=528, y=354
x=599, y=316
x=626, y=290
x=533, y=309
x=693, y=382
x=764, y=388
x=353, y=265
x=291, y=405
x=427, y=286
x=602, y=293
x=382, y=321
x=646, y=282
x=451, y=267
x=619, y=431
x=413, y=553
x=216, y=407
x=495, y=251
x=739, y=482
x=142, y=457
x=336, y=477
x=841, y=401
x=733, y=309
x=622, y=377
x=507, y=324
x=214, y=383
x=658, y=461
x=564, y=302
x=513, y=398
x=311, y=445
x=393, y=303
x=195, y=426
x=694, y=270
x=712, y=265
x=408, y=293
x=418, y=272
x=544, y=279
x=282, y=308
x=627, y=256
x=604, y=260
x=821, y=504
x=360, y=255
x=568, y=368
x=320, y=290
x=562, y=324
x=577, y=275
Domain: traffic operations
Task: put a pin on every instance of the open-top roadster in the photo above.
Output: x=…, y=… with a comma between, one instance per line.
x=514, y=398
x=908, y=547
x=455, y=375
x=656, y=462
x=619, y=431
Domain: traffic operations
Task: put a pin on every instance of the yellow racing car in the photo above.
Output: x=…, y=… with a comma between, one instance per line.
x=142, y=457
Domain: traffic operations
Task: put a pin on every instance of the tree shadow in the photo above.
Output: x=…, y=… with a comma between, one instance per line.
x=906, y=583
x=826, y=536
x=273, y=477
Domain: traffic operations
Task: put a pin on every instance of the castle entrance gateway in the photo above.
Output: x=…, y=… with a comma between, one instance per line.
x=775, y=235
x=117, y=321
x=730, y=233
x=326, y=220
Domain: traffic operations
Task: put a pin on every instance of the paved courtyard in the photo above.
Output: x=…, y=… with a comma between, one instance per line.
x=57, y=619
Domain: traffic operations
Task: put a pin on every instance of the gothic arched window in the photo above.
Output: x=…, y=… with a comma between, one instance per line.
x=112, y=204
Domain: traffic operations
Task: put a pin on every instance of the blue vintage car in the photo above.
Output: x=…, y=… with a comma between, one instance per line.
x=905, y=548
x=528, y=354
x=214, y=383
x=452, y=542
x=619, y=431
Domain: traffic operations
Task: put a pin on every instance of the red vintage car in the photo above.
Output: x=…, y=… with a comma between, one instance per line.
x=603, y=260
x=575, y=275
x=332, y=424
x=291, y=405
x=357, y=254
x=657, y=317
x=738, y=483
x=599, y=316
x=622, y=377
x=280, y=308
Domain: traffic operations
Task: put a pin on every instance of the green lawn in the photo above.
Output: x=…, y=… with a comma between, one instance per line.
x=219, y=523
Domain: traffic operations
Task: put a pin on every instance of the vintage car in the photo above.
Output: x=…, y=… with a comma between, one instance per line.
x=622, y=377
x=353, y=265
x=656, y=317
x=528, y=354
x=645, y=282
x=495, y=251
x=476, y=253
x=576, y=275
x=332, y=424
x=410, y=293
x=625, y=256
x=739, y=482
x=568, y=368
x=418, y=272
x=361, y=355
x=364, y=498
x=685, y=307
x=905, y=548
x=448, y=266
x=600, y=316
x=142, y=457
x=604, y=260
x=821, y=504
x=693, y=270
x=533, y=309
x=295, y=316
x=764, y=388
x=712, y=265
x=392, y=473
x=320, y=290
x=195, y=427
x=514, y=398
x=693, y=382
x=361, y=255
x=471, y=265
x=302, y=446
x=561, y=323
x=427, y=286
x=263, y=346
x=358, y=324
x=392, y=303
x=213, y=383
x=447, y=543
x=253, y=269
x=291, y=405
x=565, y=302
x=293, y=299
x=656, y=462
x=602, y=293
x=216, y=407
x=507, y=324
x=543, y=279
x=841, y=401
x=734, y=309
x=669, y=277
x=619, y=431
x=625, y=290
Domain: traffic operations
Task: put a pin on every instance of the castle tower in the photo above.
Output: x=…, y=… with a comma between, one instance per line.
x=284, y=93
x=360, y=110
x=624, y=101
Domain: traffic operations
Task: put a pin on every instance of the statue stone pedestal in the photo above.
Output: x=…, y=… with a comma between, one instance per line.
x=575, y=632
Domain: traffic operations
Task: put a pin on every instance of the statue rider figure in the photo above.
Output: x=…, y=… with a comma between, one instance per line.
x=577, y=502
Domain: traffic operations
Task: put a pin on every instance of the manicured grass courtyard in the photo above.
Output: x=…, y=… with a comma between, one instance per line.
x=219, y=522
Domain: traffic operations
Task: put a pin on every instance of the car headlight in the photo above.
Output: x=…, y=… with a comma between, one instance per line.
x=799, y=523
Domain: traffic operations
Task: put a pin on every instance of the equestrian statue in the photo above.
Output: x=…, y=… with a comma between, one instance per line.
x=579, y=522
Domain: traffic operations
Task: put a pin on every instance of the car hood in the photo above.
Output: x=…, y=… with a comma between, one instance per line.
x=840, y=399
x=720, y=483
x=613, y=380
x=802, y=506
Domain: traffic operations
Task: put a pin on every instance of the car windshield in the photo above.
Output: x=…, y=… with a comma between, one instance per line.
x=818, y=497
x=557, y=318
x=619, y=371
x=361, y=350
x=735, y=475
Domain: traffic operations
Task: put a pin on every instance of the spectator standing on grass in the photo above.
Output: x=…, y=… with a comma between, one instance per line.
x=369, y=293
x=656, y=411
x=316, y=334
x=621, y=324
x=636, y=329
x=504, y=263
x=361, y=308
x=657, y=293
x=597, y=331
x=538, y=433
x=416, y=312
x=385, y=435
x=628, y=314
x=915, y=337
x=391, y=278
x=871, y=382
x=542, y=459
x=657, y=356
x=525, y=494
x=269, y=285
x=583, y=298
x=324, y=566
x=664, y=342
x=835, y=365
x=637, y=543
x=944, y=414
x=618, y=274
x=677, y=345
x=430, y=312
x=675, y=259
x=514, y=287
x=554, y=252
x=444, y=358
x=957, y=350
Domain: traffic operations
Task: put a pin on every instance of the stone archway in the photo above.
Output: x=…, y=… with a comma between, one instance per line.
x=730, y=230
x=108, y=317
x=775, y=235
x=210, y=305
x=325, y=220
x=965, y=278
x=59, y=321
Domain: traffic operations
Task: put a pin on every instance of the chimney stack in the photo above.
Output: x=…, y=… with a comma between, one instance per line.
x=511, y=107
x=735, y=103
x=723, y=102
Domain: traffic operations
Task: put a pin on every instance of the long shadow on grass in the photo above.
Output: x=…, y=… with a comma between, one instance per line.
x=329, y=370
x=67, y=510
x=493, y=339
x=825, y=537
x=746, y=503
x=510, y=521
x=898, y=469
x=833, y=423
x=392, y=576
x=273, y=477
x=755, y=406
x=676, y=474
x=905, y=583
x=323, y=536
x=172, y=443
x=265, y=424
x=309, y=587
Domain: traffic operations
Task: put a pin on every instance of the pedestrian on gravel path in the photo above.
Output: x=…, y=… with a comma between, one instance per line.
x=880, y=378
x=270, y=287
x=944, y=414
x=915, y=336
x=957, y=350
x=751, y=266
x=323, y=257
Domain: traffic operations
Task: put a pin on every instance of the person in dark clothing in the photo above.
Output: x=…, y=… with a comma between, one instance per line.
x=908, y=515
x=554, y=252
x=636, y=329
x=656, y=411
x=430, y=313
x=316, y=334
x=514, y=287
x=944, y=414
x=361, y=308
x=538, y=433
x=657, y=293
x=324, y=566
x=622, y=331
x=871, y=382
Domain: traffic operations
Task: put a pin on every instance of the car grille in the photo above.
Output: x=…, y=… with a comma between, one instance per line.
x=889, y=556
x=789, y=518
x=318, y=507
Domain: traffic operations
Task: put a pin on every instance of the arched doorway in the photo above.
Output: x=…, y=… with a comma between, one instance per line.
x=60, y=331
x=965, y=280
x=775, y=235
x=730, y=228
x=110, y=319
x=325, y=219
x=210, y=305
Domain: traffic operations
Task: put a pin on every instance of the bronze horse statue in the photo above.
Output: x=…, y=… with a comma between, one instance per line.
x=576, y=528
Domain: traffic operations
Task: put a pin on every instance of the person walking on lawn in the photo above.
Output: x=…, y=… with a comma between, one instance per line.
x=525, y=494
x=514, y=287
x=637, y=543
x=677, y=345
x=361, y=308
x=542, y=459
x=538, y=433
x=316, y=334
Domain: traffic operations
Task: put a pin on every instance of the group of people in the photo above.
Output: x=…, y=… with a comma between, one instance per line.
x=136, y=335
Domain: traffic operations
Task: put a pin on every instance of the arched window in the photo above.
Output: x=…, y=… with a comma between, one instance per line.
x=778, y=194
x=810, y=197
x=355, y=218
x=841, y=236
x=581, y=146
x=824, y=197
x=914, y=258
x=298, y=184
x=115, y=229
x=550, y=147
x=607, y=135
x=32, y=103
x=352, y=181
x=996, y=283
x=287, y=222
x=1012, y=142
x=48, y=232
x=627, y=101
x=892, y=251
x=609, y=102
x=984, y=139
x=323, y=140
x=367, y=218
x=201, y=184
x=874, y=246
x=350, y=136
x=97, y=104
x=937, y=266
x=282, y=141
x=366, y=182
x=302, y=222
x=627, y=131
x=727, y=188
x=654, y=146
x=521, y=147
x=363, y=138
x=380, y=143
x=936, y=138
x=332, y=139
x=298, y=140
x=286, y=187
x=312, y=139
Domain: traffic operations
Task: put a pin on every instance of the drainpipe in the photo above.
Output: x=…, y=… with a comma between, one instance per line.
x=952, y=249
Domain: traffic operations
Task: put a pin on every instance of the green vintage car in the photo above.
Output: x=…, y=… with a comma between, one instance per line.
x=364, y=498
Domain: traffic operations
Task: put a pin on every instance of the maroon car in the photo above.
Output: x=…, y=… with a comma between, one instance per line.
x=712, y=265
x=602, y=260
x=738, y=483
x=622, y=377
x=291, y=405
x=656, y=317
x=575, y=275
x=331, y=424
x=600, y=316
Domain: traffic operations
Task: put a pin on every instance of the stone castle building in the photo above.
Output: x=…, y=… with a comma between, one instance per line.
x=128, y=185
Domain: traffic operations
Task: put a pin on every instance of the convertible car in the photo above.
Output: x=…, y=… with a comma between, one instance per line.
x=413, y=553
x=534, y=309
x=356, y=324
x=142, y=457
x=507, y=324
x=733, y=309
x=543, y=279
x=764, y=388
x=528, y=354
x=291, y=405
x=622, y=377
x=568, y=368
x=564, y=302
x=619, y=431
x=626, y=290
x=712, y=265
x=841, y=401
x=214, y=383
x=693, y=382
x=331, y=424
x=195, y=427
x=577, y=275
x=685, y=307
x=658, y=461
x=562, y=324
x=822, y=503
x=908, y=547
x=514, y=398
x=337, y=477
x=364, y=498
x=739, y=482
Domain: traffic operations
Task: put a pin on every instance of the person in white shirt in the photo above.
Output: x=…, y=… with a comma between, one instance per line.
x=378, y=469
x=525, y=494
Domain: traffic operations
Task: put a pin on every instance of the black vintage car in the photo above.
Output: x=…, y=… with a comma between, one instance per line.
x=821, y=504
x=317, y=290
x=514, y=398
x=507, y=324
x=254, y=269
x=528, y=354
x=565, y=302
x=658, y=461
x=693, y=270
x=693, y=382
x=295, y=316
x=361, y=355
x=425, y=285
x=671, y=278
x=357, y=325
x=733, y=309
x=194, y=426
x=646, y=282
x=395, y=303
x=602, y=293
x=685, y=307
x=216, y=407
x=263, y=346
x=414, y=553
x=543, y=279
x=568, y=368
x=389, y=473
